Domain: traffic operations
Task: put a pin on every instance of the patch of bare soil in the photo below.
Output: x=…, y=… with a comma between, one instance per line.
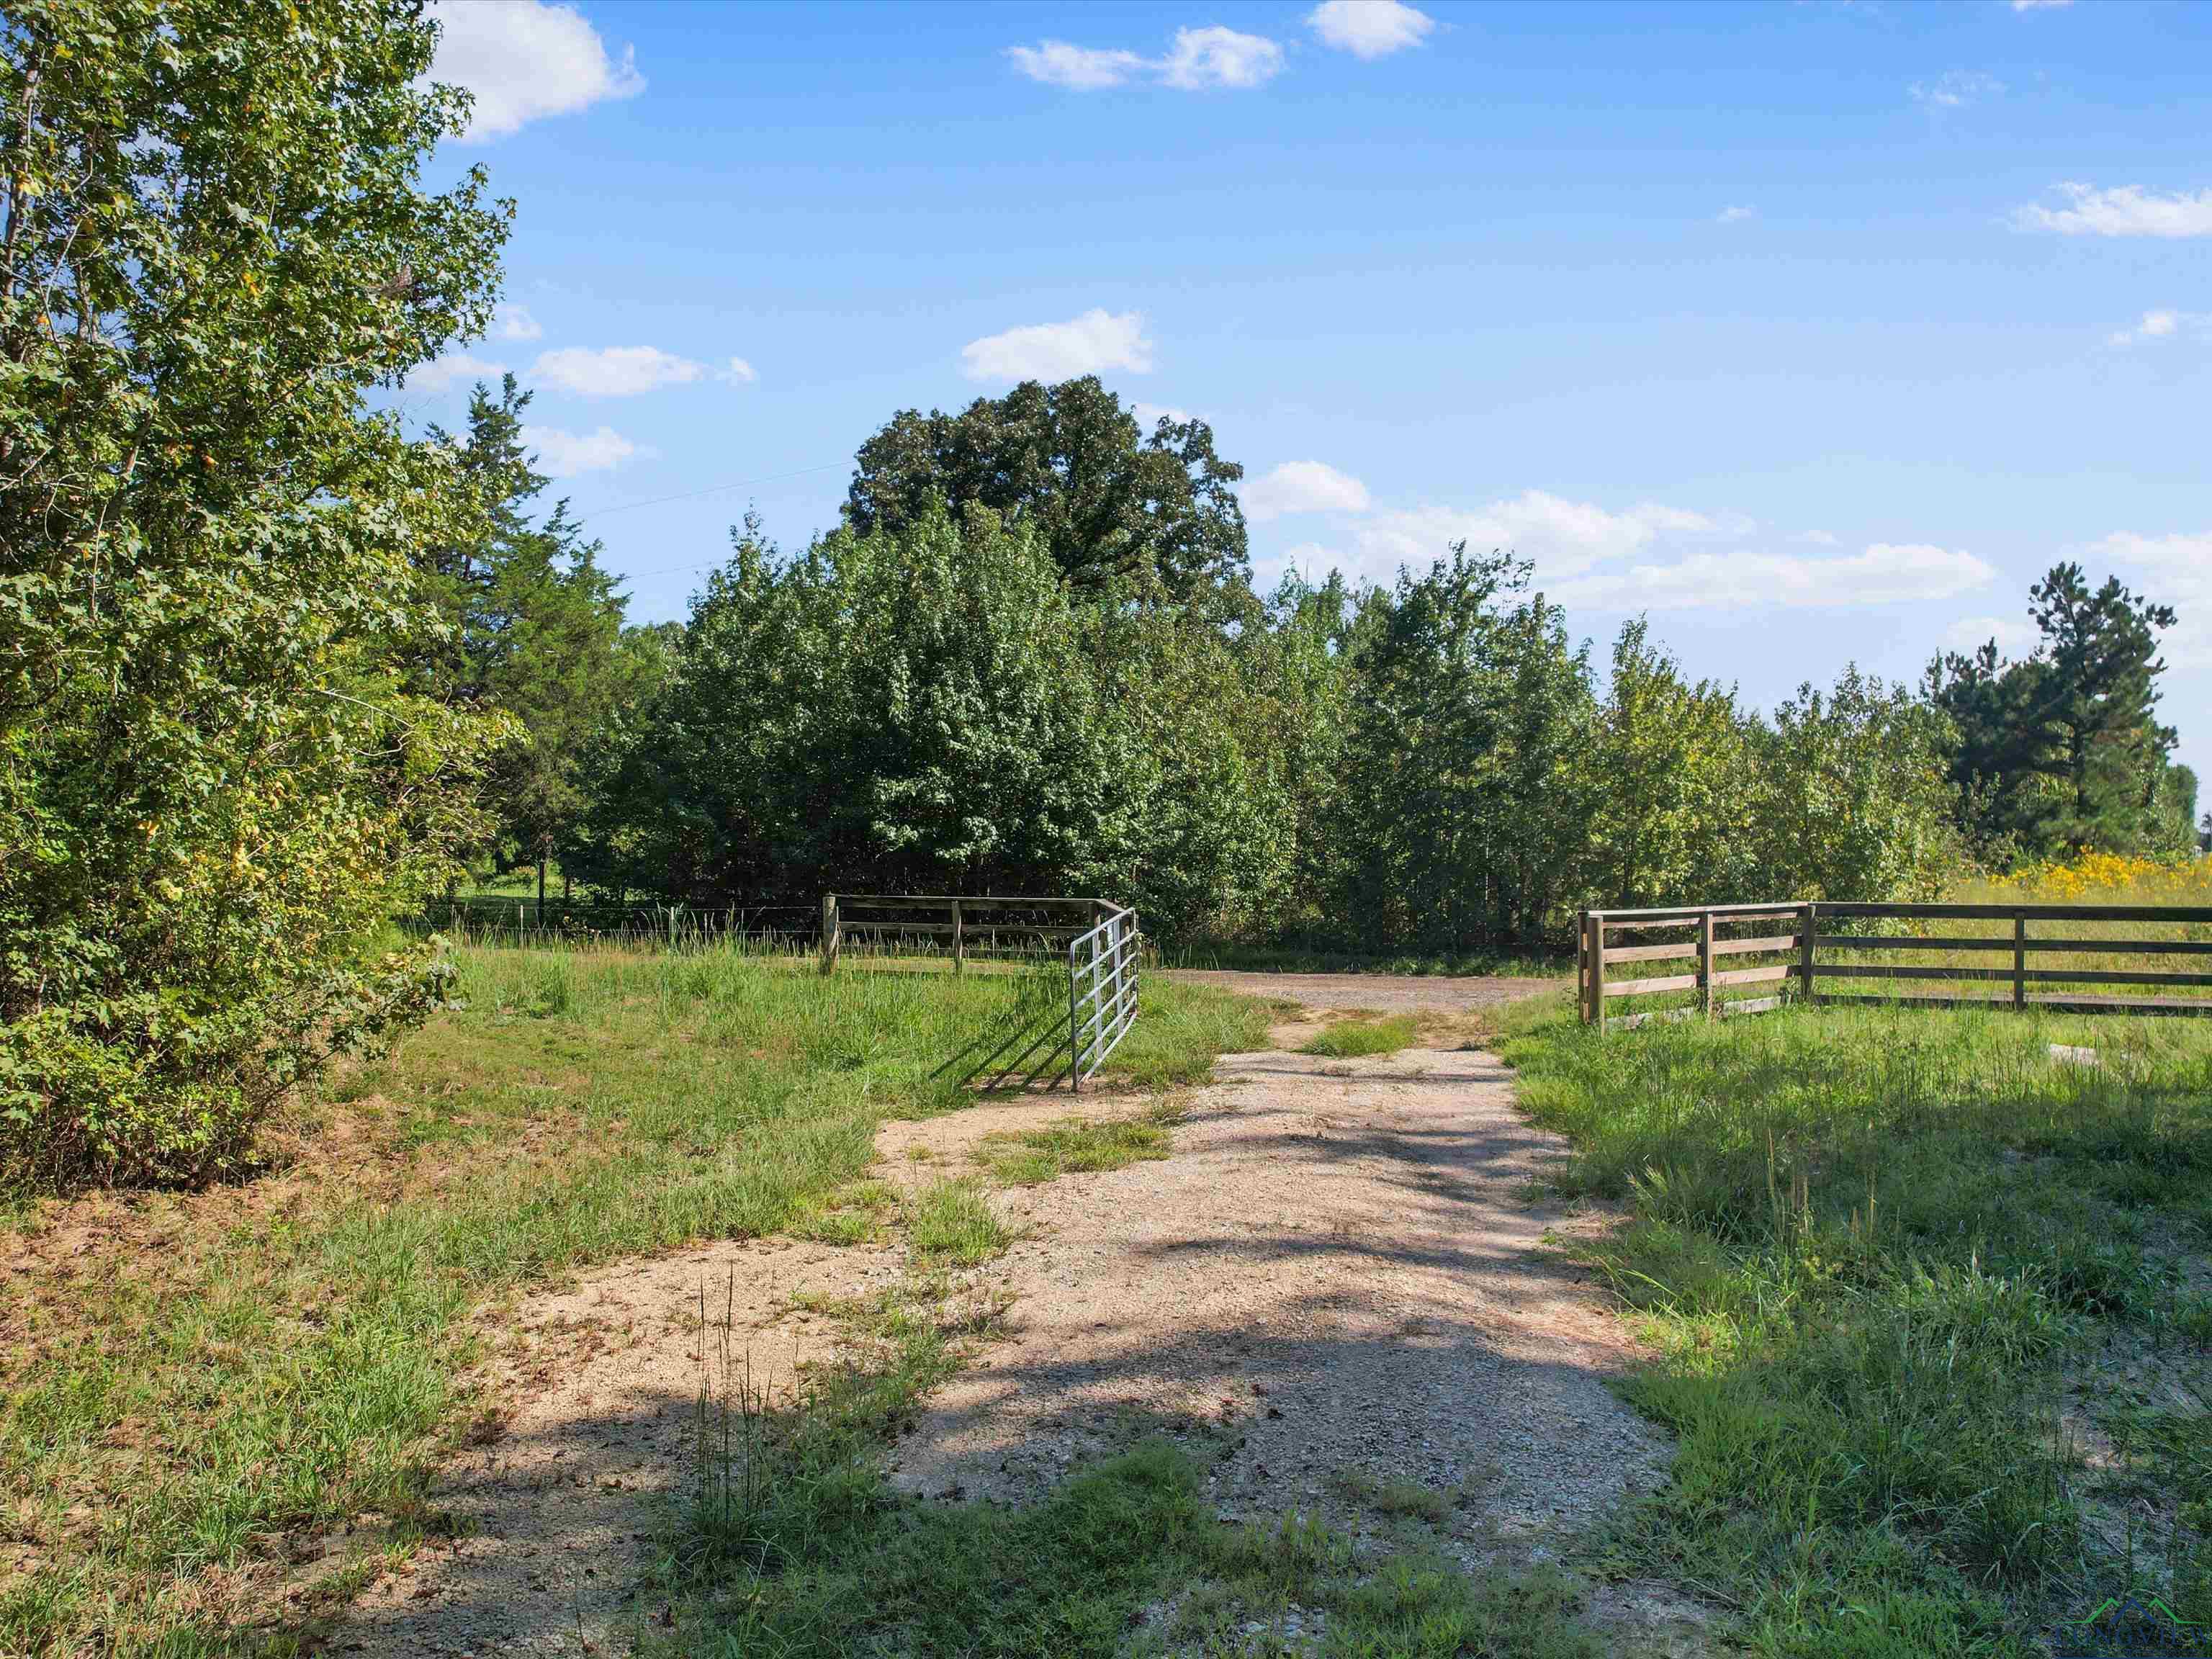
x=1383, y=993
x=1342, y=1265
x=554, y=1504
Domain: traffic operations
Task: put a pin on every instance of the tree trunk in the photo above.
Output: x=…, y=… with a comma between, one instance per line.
x=541, y=890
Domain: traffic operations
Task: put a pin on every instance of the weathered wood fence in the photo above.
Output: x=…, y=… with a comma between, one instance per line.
x=1795, y=947
x=960, y=926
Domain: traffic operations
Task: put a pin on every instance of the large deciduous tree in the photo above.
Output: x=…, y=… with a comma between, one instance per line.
x=1107, y=501
x=213, y=782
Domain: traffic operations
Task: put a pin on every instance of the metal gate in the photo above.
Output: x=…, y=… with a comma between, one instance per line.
x=1101, y=959
x=1102, y=993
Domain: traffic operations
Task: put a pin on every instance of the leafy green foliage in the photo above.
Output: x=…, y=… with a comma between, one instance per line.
x=1109, y=504
x=931, y=710
x=533, y=626
x=214, y=782
x=1426, y=767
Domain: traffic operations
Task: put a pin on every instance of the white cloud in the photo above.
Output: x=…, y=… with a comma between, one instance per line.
x=1955, y=89
x=1149, y=416
x=523, y=59
x=616, y=371
x=513, y=322
x=564, y=454
x=1199, y=59
x=1969, y=633
x=1883, y=574
x=2164, y=325
x=1218, y=57
x=1563, y=537
x=1303, y=487
x=2125, y=210
x=1734, y=216
x=1079, y=69
x=443, y=373
x=1097, y=340
x=1369, y=28
x=2175, y=570
x=1817, y=538
x=736, y=371
x=2040, y=5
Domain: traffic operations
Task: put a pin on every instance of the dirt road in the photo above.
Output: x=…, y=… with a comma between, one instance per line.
x=1343, y=1277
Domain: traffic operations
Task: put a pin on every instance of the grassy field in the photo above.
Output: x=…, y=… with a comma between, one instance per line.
x=1935, y=1306
x=196, y=1385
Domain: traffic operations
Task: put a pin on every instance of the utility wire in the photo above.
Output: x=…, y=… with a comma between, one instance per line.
x=711, y=490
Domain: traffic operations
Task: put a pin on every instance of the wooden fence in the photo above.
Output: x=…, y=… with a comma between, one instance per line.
x=1802, y=950
x=962, y=927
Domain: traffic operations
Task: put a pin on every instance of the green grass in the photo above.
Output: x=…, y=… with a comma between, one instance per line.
x=950, y=1223
x=218, y=1373
x=1075, y=1144
x=1900, y=1263
x=1348, y=1039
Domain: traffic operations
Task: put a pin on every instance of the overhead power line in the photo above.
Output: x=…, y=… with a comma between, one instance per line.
x=711, y=490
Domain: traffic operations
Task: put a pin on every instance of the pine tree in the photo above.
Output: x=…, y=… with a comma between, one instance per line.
x=2065, y=749
x=535, y=628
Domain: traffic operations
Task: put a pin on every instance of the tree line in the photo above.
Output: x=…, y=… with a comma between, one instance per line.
x=1030, y=659
x=273, y=670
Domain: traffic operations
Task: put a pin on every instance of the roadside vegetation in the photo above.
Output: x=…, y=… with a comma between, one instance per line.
x=196, y=1381
x=1347, y=1039
x=1934, y=1304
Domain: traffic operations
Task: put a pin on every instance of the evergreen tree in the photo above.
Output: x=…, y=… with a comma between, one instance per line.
x=533, y=627
x=2064, y=750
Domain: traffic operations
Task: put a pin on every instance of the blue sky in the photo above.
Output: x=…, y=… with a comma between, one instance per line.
x=1817, y=331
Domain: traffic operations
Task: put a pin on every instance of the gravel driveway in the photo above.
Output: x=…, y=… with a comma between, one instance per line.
x=1381, y=994
x=1341, y=1278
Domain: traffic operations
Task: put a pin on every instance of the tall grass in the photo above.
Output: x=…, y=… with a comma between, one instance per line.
x=217, y=1371
x=1878, y=1245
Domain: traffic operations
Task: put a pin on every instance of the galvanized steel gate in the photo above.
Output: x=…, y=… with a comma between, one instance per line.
x=1101, y=960
x=1102, y=992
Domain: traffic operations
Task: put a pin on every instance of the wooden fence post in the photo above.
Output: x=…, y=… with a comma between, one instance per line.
x=1597, y=969
x=831, y=927
x=1809, y=921
x=2020, y=960
x=1581, y=965
x=1706, y=961
x=959, y=942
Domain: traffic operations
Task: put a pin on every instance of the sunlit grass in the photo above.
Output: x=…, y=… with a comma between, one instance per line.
x=1348, y=1039
x=1876, y=1245
x=1079, y=1145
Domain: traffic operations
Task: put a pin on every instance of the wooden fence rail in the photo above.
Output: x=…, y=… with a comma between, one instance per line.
x=967, y=924
x=1827, y=942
